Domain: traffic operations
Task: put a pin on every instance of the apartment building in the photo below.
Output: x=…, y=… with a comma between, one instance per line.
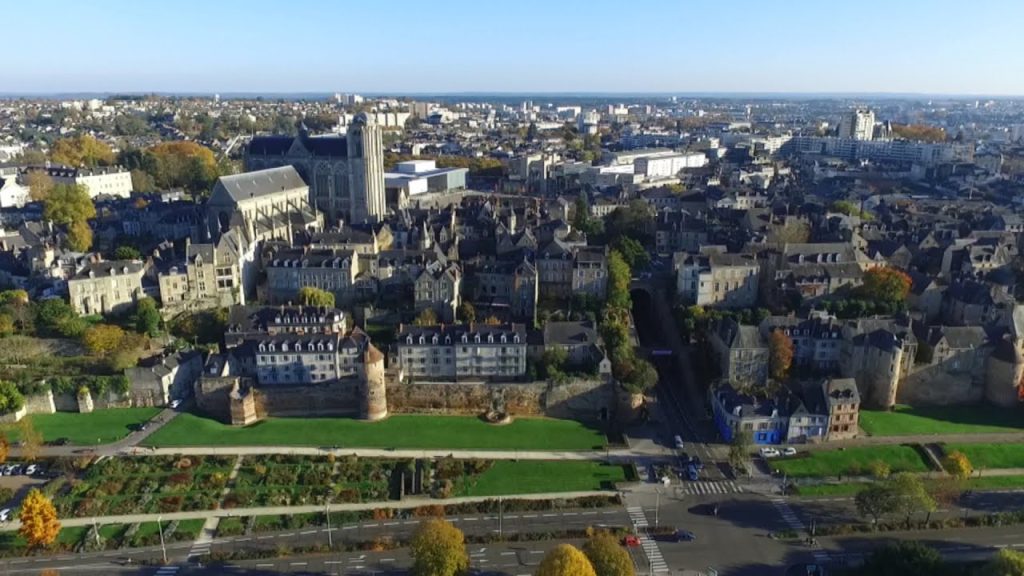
x=106, y=287
x=725, y=280
x=470, y=352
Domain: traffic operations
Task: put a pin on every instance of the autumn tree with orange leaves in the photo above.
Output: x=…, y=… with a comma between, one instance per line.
x=39, y=523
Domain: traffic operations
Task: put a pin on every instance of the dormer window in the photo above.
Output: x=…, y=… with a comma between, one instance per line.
x=516, y=338
x=490, y=338
x=330, y=346
x=447, y=339
x=477, y=339
x=298, y=347
x=284, y=347
x=263, y=347
x=272, y=347
x=320, y=346
x=465, y=338
x=422, y=340
x=408, y=339
x=434, y=339
x=503, y=339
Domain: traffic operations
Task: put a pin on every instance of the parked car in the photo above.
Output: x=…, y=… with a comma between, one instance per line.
x=679, y=442
x=692, y=473
x=62, y=442
x=5, y=515
x=630, y=541
x=31, y=470
x=769, y=452
x=697, y=463
x=175, y=404
x=790, y=451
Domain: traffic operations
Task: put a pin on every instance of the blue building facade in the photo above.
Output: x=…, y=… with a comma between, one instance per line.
x=767, y=421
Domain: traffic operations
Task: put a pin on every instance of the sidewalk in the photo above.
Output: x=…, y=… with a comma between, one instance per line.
x=335, y=507
x=616, y=455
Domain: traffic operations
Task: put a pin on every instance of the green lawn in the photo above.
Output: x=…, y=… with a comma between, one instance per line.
x=975, y=419
x=400, y=431
x=850, y=462
x=987, y=456
x=99, y=427
x=538, y=476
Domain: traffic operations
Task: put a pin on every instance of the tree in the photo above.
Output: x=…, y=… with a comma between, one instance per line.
x=643, y=377
x=565, y=560
x=82, y=151
x=466, y=313
x=31, y=439
x=957, y=464
x=607, y=557
x=103, y=339
x=79, y=238
x=68, y=203
x=54, y=315
x=907, y=558
x=492, y=320
x=910, y=495
x=531, y=132
x=780, y=350
x=39, y=523
x=633, y=252
x=6, y=325
x=886, y=284
x=39, y=185
x=920, y=132
x=147, y=317
x=619, y=277
x=5, y=448
x=426, y=318
x=438, y=549
x=636, y=220
x=1006, y=562
x=142, y=181
x=127, y=253
x=11, y=399
x=181, y=164
x=310, y=296
x=880, y=469
x=875, y=500
x=739, y=449
x=553, y=361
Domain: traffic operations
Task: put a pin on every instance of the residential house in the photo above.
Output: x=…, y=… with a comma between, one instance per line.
x=590, y=273
x=718, y=280
x=450, y=352
x=742, y=354
x=843, y=400
x=106, y=287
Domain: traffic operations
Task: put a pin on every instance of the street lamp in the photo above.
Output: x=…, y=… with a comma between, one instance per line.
x=160, y=529
x=330, y=537
x=657, y=506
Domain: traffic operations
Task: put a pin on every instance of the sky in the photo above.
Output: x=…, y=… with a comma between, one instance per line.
x=443, y=46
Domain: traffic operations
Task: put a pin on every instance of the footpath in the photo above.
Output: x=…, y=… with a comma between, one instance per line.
x=411, y=502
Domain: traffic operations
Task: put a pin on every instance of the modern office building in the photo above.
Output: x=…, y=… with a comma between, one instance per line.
x=857, y=124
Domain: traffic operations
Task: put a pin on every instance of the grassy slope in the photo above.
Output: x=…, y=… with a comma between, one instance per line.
x=539, y=476
x=977, y=419
x=400, y=431
x=850, y=461
x=99, y=427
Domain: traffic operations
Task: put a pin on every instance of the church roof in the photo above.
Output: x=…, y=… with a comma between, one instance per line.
x=248, y=185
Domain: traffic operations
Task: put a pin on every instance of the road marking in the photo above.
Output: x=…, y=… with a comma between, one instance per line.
x=298, y=564
x=391, y=523
x=349, y=528
x=536, y=551
x=264, y=565
x=243, y=539
x=569, y=514
x=511, y=516
x=508, y=553
x=387, y=559
x=305, y=532
x=529, y=515
x=332, y=562
x=470, y=519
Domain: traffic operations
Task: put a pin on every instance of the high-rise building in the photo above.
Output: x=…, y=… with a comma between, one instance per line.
x=857, y=124
x=366, y=170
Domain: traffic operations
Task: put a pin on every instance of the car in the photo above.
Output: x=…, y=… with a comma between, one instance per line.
x=697, y=463
x=630, y=541
x=692, y=473
x=685, y=536
x=5, y=515
x=769, y=452
x=62, y=442
x=175, y=404
x=16, y=471
x=31, y=470
x=790, y=451
x=679, y=442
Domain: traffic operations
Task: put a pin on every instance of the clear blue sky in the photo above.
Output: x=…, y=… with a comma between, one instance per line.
x=931, y=46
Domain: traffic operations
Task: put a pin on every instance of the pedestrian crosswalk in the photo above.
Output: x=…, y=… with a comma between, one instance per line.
x=711, y=487
x=637, y=516
x=787, y=514
x=654, y=558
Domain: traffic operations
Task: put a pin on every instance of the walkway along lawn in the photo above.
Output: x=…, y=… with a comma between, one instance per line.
x=400, y=431
x=850, y=462
x=973, y=419
x=99, y=427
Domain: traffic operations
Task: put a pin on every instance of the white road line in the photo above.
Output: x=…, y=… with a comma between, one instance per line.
x=305, y=532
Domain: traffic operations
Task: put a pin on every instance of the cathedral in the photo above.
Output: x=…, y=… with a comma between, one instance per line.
x=345, y=173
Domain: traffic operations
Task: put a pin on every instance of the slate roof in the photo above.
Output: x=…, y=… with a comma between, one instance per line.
x=259, y=183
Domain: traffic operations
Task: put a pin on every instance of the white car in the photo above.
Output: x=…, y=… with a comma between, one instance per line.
x=31, y=470
x=175, y=404
x=790, y=451
x=5, y=515
x=769, y=452
x=679, y=442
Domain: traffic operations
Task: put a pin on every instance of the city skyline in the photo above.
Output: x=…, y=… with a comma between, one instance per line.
x=913, y=48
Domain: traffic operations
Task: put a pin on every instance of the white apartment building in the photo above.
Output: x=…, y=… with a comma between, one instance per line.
x=668, y=166
x=472, y=352
x=726, y=280
x=101, y=181
x=857, y=124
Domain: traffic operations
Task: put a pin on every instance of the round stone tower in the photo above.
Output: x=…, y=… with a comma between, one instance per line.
x=1004, y=372
x=375, y=396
